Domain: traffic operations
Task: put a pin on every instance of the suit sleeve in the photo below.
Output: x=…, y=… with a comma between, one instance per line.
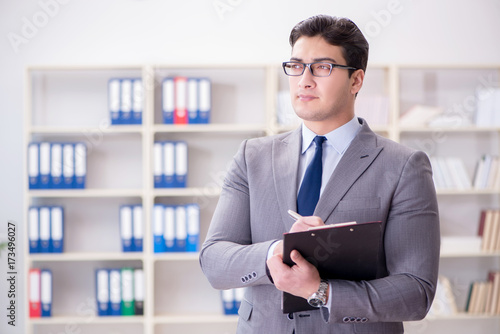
x=228, y=257
x=411, y=242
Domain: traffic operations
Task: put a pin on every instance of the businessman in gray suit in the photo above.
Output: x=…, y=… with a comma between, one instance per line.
x=364, y=177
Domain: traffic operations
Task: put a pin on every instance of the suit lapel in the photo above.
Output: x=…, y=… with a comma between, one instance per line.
x=285, y=155
x=358, y=157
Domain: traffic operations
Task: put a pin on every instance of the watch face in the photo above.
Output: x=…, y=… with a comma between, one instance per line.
x=315, y=302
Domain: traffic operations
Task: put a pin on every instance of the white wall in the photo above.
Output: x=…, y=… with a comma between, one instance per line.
x=114, y=32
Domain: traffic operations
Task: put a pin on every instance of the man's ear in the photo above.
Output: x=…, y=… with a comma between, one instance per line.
x=357, y=79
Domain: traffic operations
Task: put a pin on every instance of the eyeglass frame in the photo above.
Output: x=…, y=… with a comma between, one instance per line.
x=308, y=65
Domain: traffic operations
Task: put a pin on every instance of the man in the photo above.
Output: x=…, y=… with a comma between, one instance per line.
x=364, y=177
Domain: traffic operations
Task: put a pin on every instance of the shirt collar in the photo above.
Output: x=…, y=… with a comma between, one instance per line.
x=339, y=138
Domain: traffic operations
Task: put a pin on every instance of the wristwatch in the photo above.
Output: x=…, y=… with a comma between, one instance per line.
x=318, y=298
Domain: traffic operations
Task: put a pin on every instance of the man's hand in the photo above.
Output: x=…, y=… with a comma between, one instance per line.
x=302, y=224
x=302, y=279
x=305, y=223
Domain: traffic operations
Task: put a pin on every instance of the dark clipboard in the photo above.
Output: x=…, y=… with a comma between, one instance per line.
x=340, y=251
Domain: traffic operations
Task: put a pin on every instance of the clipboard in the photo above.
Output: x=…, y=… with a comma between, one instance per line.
x=348, y=251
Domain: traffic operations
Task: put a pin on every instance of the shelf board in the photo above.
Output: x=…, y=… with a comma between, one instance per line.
x=458, y=129
x=92, y=319
x=469, y=254
x=209, y=128
x=195, y=319
x=462, y=316
x=75, y=193
x=467, y=191
x=86, y=256
x=112, y=129
x=187, y=192
x=184, y=256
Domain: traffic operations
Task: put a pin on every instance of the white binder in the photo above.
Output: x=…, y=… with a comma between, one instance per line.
x=138, y=228
x=181, y=164
x=33, y=166
x=56, y=166
x=44, y=165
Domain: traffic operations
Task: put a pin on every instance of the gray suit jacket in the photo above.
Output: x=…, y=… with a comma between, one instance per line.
x=376, y=180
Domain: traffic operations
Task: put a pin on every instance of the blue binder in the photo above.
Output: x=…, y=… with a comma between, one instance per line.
x=228, y=300
x=158, y=227
x=56, y=229
x=158, y=164
x=204, y=100
x=138, y=228
x=192, y=100
x=137, y=100
x=56, y=180
x=169, y=221
x=80, y=153
x=114, y=100
x=180, y=228
x=34, y=229
x=44, y=223
x=181, y=164
x=168, y=100
x=46, y=292
x=33, y=166
x=115, y=297
x=68, y=166
x=168, y=164
x=125, y=101
x=102, y=292
x=126, y=226
x=44, y=164
x=193, y=227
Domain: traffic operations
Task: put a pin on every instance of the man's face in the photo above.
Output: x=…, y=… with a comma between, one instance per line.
x=321, y=99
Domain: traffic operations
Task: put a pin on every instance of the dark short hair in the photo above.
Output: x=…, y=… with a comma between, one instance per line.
x=337, y=31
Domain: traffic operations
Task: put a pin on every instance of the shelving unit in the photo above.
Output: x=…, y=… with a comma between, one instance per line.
x=70, y=103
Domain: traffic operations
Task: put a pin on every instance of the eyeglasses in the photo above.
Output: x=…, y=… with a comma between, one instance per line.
x=318, y=69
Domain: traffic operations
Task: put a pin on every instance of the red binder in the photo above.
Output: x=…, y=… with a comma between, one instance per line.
x=180, y=112
x=34, y=293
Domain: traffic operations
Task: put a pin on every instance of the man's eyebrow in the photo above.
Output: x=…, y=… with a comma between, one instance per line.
x=315, y=59
x=325, y=59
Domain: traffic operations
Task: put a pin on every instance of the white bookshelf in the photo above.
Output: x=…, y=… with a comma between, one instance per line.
x=244, y=106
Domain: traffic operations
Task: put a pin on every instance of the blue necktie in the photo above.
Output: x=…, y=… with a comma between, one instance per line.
x=311, y=184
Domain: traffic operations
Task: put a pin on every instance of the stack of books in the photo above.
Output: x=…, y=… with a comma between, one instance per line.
x=56, y=165
x=484, y=296
x=450, y=173
x=489, y=230
x=120, y=292
x=186, y=100
x=486, y=175
x=125, y=100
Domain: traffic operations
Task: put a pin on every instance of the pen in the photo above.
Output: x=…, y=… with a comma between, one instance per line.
x=294, y=214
